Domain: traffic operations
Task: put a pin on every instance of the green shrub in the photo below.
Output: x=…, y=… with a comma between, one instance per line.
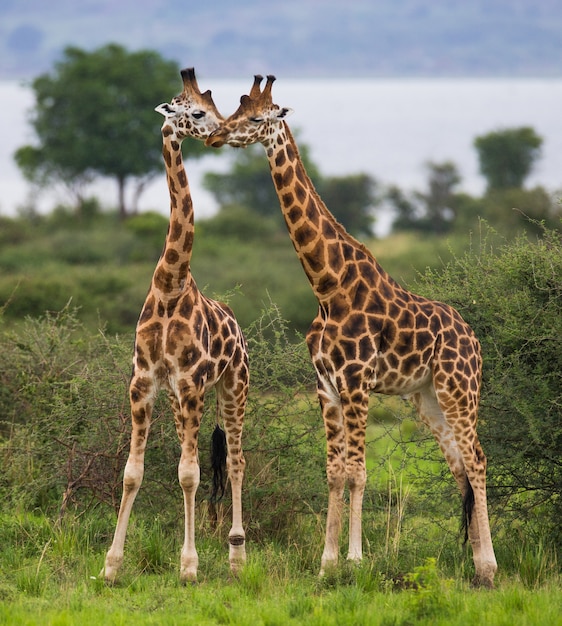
x=65, y=425
x=511, y=296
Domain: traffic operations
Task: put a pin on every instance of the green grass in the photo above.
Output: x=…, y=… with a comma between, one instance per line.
x=49, y=574
x=55, y=581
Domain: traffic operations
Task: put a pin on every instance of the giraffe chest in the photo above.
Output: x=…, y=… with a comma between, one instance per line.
x=191, y=341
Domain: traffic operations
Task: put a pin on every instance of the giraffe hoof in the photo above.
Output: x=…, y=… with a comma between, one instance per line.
x=110, y=569
x=188, y=578
x=480, y=582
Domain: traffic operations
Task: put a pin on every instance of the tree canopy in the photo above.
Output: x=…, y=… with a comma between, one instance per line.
x=507, y=156
x=94, y=116
x=434, y=210
x=506, y=159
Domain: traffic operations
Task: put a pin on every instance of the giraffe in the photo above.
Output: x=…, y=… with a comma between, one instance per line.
x=185, y=343
x=370, y=335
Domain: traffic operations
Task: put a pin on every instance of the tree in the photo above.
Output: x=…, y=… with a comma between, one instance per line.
x=516, y=210
x=248, y=184
x=507, y=156
x=94, y=116
x=351, y=199
x=439, y=200
x=432, y=211
x=406, y=210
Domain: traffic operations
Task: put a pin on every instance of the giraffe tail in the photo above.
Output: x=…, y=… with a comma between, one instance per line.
x=467, y=508
x=218, y=463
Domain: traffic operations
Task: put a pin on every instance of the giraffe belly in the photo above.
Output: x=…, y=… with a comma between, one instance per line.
x=403, y=377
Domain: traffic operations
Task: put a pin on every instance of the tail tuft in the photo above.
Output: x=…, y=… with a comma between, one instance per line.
x=467, y=509
x=218, y=463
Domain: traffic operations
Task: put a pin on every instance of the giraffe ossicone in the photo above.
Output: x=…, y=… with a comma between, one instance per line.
x=186, y=344
x=370, y=335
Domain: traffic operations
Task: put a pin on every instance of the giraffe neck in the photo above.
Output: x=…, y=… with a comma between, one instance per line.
x=324, y=247
x=173, y=269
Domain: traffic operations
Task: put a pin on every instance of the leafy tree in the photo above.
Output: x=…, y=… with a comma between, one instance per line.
x=507, y=156
x=439, y=200
x=94, y=116
x=248, y=184
x=514, y=210
x=406, y=210
x=432, y=211
x=351, y=199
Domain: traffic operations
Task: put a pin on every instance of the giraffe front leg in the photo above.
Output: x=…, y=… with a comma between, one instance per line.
x=189, y=477
x=335, y=472
x=336, y=482
x=355, y=420
x=132, y=479
x=356, y=490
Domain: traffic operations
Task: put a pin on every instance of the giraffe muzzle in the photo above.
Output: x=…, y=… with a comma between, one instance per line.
x=214, y=140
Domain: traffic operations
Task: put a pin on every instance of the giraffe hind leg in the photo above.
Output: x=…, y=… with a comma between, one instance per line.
x=475, y=516
x=232, y=392
x=479, y=527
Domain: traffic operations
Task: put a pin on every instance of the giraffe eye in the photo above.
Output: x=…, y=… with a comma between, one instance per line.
x=256, y=120
x=198, y=114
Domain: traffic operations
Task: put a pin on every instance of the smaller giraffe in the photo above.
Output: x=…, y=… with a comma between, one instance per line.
x=370, y=335
x=185, y=343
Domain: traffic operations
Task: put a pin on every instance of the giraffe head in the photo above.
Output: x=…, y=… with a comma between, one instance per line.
x=191, y=113
x=254, y=119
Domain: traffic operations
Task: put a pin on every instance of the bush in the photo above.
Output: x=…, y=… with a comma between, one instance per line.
x=149, y=229
x=512, y=299
x=64, y=434
x=64, y=413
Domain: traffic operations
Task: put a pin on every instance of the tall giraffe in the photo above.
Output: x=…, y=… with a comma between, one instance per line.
x=370, y=335
x=185, y=343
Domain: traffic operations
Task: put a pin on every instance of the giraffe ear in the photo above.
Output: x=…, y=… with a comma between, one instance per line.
x=166, y=109
x=284, y=112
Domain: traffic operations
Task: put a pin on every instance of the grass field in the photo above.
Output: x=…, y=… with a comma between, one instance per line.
x=62, y=587
x=415, y=570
